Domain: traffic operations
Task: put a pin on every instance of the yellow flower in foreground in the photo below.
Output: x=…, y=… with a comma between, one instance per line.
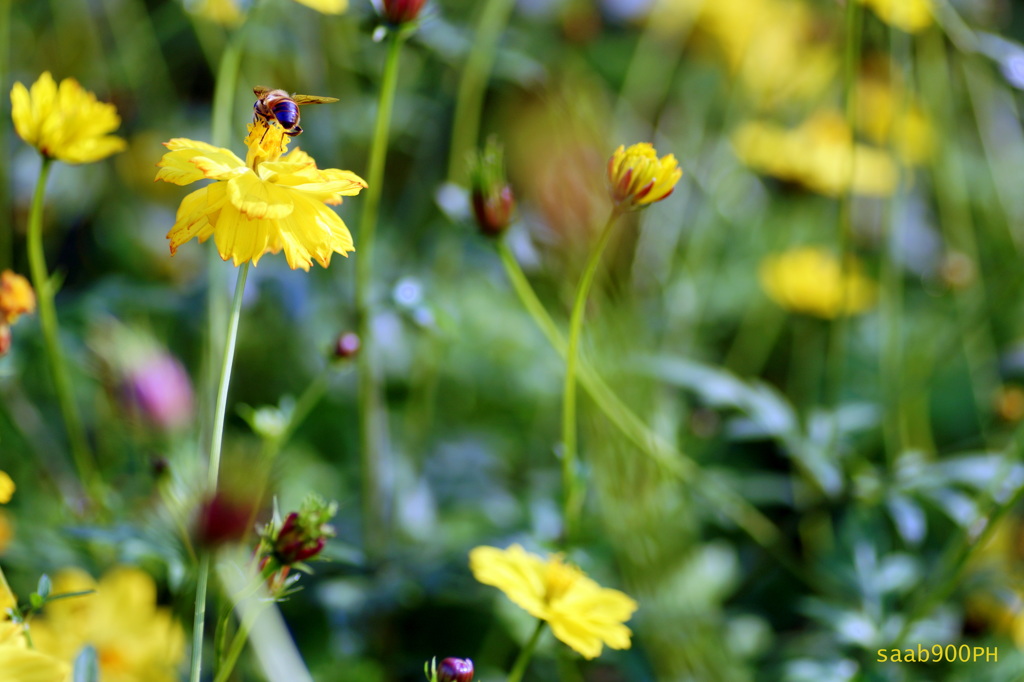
x=135, y=641
x=911, y=16
x=66, y=123
x=637, y=177
x=7, y=487
x=18, y=663
x=581, y=613
x=809, y=280
x=266, y=204
x=818, y=154
x=16, y=296
x=230, y=13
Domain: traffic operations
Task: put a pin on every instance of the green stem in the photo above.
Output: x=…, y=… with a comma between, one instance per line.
x=837, y=349
x=227, y=361
x=303, y=406
x=371, y=414
x=519, y=667
x=469, y=103
x=237, y=645
x=199, y=621
x=727, y=502
x=84, y=463
x=573, y=491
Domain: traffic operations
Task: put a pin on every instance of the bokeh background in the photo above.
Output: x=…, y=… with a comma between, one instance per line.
x=845, y=466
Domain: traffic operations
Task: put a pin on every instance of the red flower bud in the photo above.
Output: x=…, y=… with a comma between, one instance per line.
x=223, y=519
x=402, y=11
x=455, y=670
x=493, y=210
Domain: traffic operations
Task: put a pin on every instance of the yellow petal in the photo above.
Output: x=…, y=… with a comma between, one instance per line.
x=257, y=198
x=7, y=488
x=326, y=6
x=26, y=665
x=516, y=572
x=197, y=215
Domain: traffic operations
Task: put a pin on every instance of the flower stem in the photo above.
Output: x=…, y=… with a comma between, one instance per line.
x=574, y=492
x=726, y=501
x=371, y=413
x=235, y=650
x=466, y=126
x=80, y=453
x=215, y=447
x=519, y=667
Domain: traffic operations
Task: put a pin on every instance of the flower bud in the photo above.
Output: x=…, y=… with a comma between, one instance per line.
x=222, y=519
x=301, y=536
x=491, y=195
x=347, y=346
x=402, y=11
x=638, y=178
x=455, y=670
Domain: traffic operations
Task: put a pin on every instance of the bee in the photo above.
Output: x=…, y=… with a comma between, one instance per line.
x=278, y=105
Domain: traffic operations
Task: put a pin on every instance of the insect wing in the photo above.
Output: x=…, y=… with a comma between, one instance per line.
x=312, y=99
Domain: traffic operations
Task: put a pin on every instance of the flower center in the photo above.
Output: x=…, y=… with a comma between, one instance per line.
x=266, y=142
x=559, y=578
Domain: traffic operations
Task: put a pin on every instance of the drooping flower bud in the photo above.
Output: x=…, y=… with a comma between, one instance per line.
x=402, y=11
x=491, y=195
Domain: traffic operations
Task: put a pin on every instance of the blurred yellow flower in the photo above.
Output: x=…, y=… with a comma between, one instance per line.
x=66, y=123
x=775, y=47
x=16, y=296
x=889, y=116
x=7, y=487
x=816, y=154
x=637, y=177
x=810, y=280
x=18, y=663
x=326, y=6
x=911, y=16
x=580, y=612
x=135, y=641
x=266, y=204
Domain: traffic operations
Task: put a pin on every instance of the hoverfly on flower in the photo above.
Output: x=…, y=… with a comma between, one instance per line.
x=278, y=105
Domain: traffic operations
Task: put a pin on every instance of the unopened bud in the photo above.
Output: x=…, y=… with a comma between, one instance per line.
x=491, y=195
x=347, y=346
x=402, y=11
x=223, y=519
x=302, y=535
x=455, y=670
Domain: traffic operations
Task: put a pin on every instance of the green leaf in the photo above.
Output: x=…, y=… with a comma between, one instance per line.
x=86, y=666
x=36, y=600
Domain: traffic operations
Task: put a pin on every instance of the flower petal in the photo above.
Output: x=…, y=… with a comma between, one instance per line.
x=514, y=571
x=258, y=198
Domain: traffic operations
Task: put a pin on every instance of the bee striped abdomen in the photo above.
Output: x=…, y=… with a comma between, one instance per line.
x=286, y=112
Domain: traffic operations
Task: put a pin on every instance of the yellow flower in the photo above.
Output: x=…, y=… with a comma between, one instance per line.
x=911, y=16
x=326, y=6
x=637, y=176
x=581, y=613
x=266, y=204
x=135, y=641
x=66, y=122
x=16, y=296
x=18, y=663
x=7, y=489
x=818, y=154
x=887, y=115
x=809, y=280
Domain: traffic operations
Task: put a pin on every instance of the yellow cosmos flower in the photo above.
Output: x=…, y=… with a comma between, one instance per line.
x=266, y=204
x=580, y=612
x=18, y=663
x=16, y=296
x=230, y=13
x=911, y=16
x=809, y=280
x=817, y=154
x=135, y=641
x=326, y=6
x=66, y=123
x=637, y=176
x=7, y=488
